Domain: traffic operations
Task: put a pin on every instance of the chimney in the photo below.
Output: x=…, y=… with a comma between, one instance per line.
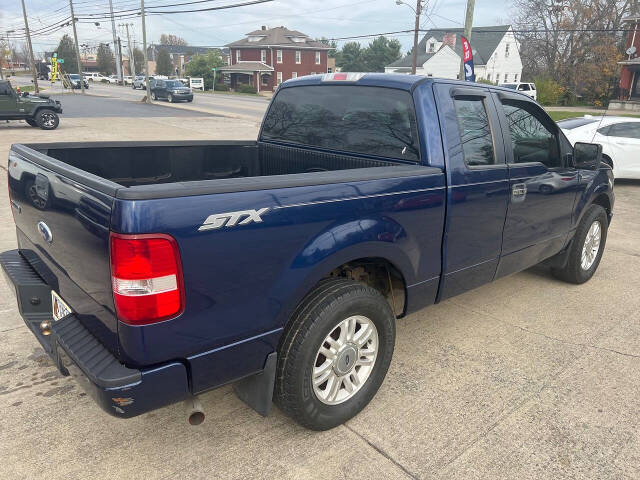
x=449, y=39
x=264, y=27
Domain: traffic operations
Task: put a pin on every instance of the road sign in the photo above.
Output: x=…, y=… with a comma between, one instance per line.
x=61, y=60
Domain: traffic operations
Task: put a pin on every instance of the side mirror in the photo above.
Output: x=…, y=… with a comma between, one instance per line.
x=587, y=156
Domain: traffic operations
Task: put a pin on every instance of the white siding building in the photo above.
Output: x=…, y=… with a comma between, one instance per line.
x=496, y=54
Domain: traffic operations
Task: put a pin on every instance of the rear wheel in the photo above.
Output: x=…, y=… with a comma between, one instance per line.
x=154, y=96
x=586, y=248
x=170, y=98
x=334, y=353
x=47, y=119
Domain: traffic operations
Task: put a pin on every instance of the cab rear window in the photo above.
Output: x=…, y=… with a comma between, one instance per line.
x=368, y=120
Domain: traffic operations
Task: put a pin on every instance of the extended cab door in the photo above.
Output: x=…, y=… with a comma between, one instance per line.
x=478, y=187
x=543, y=184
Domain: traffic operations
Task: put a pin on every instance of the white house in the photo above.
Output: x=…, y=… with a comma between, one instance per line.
x=496, y=54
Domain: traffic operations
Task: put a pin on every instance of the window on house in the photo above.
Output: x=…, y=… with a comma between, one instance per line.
x=329, y=70
x=298, y=56
x=263, y=56
x=497, y=78
x=279, y=78
x=506, y=50
x=294, y=74
x=238, y=55
x=489, y=77
x=432, y=47
x=515, y=77
x=279, y=56
x=317, y=58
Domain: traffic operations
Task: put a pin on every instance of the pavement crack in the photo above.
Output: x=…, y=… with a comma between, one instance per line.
x=383, y=453
x=11, y=329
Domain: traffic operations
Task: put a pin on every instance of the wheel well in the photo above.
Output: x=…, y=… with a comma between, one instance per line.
x=607, y=159
x=604, y=202
x=379, y=274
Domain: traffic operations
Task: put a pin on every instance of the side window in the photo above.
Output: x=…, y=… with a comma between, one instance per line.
x=533, y=136
x=476, y=138
x=625, y=130
x=524, y=87
x=4, y=89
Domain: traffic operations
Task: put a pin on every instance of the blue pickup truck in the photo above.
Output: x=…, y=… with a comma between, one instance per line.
x=155, y=271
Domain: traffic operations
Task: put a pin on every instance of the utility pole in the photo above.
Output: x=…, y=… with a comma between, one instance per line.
x=120, y=56
x=414, y=61
x=31, y=60
x=132, y=63
x=146, y=56
x=75, y=38
x=468, y=25
x=115, y=44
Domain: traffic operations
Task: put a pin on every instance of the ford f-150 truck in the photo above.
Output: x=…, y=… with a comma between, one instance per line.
x=155, y=271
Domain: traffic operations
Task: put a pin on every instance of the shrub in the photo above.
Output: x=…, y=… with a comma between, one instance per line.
x=485, y=81
x=246, y=89
x=222, y=87
x=550, y=92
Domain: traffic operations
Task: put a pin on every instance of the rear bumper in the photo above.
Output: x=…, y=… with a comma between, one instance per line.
x=120, y=391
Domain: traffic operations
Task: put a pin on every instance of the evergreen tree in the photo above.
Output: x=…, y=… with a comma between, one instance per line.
x=105, y=59
x=66, y=51
x=163, y=63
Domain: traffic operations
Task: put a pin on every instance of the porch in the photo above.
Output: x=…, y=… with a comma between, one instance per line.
x=256, y=74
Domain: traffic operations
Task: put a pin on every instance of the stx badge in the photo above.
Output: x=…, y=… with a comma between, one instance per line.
x=231, y=219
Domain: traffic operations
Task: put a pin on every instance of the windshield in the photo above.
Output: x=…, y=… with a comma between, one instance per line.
x=74, y=76
x=175, y=84
x=512, y=86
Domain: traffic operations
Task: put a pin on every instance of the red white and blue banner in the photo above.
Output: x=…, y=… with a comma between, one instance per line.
x=469, y=74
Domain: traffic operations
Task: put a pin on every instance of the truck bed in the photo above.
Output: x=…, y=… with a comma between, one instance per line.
x=133, y=164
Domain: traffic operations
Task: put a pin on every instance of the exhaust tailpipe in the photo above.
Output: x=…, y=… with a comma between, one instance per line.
x=195, y=413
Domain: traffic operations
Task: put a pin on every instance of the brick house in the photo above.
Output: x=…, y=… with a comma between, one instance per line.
x=629, y=85
x=267, y=57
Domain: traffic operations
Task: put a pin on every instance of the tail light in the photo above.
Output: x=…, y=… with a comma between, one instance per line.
x=146, y=277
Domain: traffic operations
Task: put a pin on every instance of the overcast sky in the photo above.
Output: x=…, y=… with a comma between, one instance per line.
x=326, y=18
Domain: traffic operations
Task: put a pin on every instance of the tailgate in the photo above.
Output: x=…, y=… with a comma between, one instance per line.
x=62, y=223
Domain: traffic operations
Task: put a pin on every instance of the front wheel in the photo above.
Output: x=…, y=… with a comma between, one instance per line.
x=586, y=247
x=334, y=353
x=154, y=96
x=47, y=119
x=170, y=98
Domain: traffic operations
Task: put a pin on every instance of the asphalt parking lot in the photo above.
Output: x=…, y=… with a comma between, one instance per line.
x=76, y=105
x=525, y=378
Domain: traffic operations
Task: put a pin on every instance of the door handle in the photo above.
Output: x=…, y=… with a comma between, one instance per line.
x=518, y=192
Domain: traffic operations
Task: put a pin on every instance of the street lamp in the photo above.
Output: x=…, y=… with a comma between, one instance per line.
x=417, y=11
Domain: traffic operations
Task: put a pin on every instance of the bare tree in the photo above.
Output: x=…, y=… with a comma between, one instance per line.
x=577, y=43
x=168, y=39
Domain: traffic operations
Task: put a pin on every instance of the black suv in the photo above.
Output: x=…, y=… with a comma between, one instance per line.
x=37, y=110
x=172, y=90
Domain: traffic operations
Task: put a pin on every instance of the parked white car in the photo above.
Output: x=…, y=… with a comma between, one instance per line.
x=526, y=88
x=619, y=137
x=128, y=79
x=94, y=76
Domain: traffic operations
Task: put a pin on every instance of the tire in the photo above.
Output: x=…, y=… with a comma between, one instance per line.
x=323, y=313
x=31, y=122
x=170, y=98
x=578, y=269
x=154, y=96
x=47, y=119
x=190, y=100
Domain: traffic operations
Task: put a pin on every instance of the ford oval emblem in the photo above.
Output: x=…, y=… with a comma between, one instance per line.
x=45, y=231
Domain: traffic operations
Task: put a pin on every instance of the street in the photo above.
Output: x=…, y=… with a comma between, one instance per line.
x=221, y=103
x=528, y=377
